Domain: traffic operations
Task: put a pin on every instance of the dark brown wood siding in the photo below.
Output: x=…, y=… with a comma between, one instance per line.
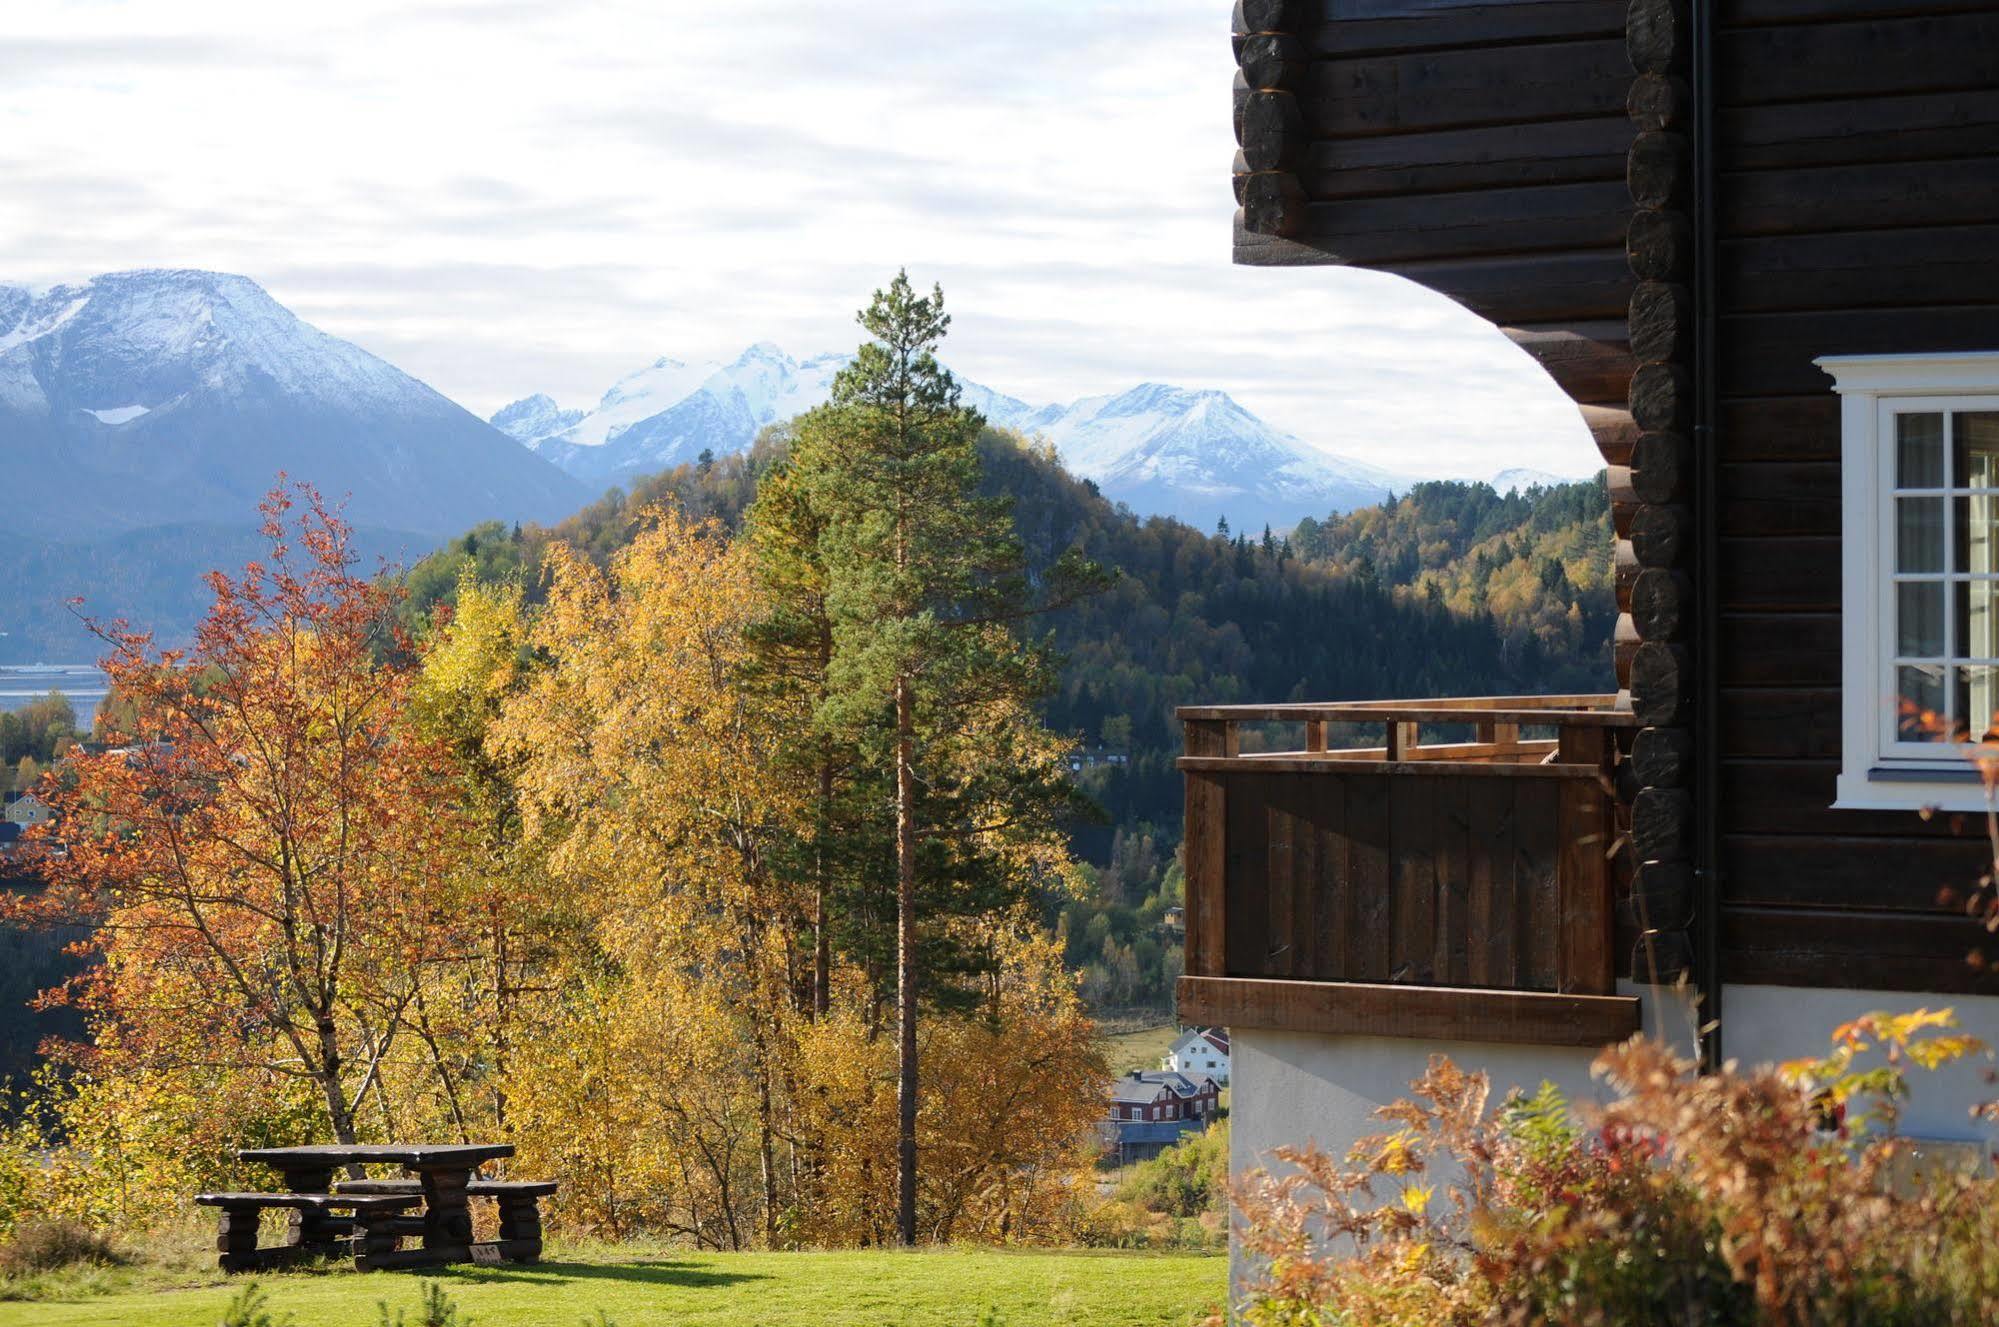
x=1478, y=148
x=1857, y=210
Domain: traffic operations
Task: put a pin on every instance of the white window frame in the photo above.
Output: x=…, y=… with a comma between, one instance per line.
x=1876, y=772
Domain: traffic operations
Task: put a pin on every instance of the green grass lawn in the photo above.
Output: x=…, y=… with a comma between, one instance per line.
x=953, y=1288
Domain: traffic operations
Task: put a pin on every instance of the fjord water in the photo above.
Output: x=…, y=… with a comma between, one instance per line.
x=84, y=684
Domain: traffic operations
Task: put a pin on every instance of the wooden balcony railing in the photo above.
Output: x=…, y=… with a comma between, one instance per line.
x=1458, y=887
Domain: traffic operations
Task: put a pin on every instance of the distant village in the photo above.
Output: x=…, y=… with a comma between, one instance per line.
x=1149, y=1110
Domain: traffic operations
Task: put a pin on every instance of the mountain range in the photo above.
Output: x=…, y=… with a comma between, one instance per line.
x=144, y=413
x=1194, y=454
x=150, y=398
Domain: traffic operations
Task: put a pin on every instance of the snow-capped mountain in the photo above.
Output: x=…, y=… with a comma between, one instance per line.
x=174, y=397
x=1198, y=455
x=1520, y=478
x=1164, y=450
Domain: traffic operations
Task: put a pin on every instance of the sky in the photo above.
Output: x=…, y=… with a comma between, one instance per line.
x=513, y=196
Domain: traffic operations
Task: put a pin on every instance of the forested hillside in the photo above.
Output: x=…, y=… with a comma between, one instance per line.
x=1452, y=589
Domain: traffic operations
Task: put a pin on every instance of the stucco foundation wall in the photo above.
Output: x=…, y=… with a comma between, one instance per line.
x=1292, y=1087
x=1765, y=1024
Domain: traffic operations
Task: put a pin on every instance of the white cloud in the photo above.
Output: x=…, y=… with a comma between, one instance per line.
x=505, y=197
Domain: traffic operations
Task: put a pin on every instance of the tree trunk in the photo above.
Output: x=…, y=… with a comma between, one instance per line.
x=337, y=1113
x=822, y=946
x=905, y=957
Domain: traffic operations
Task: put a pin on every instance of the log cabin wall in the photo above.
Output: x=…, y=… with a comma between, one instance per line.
x=1508, y=156
x=1856, y=148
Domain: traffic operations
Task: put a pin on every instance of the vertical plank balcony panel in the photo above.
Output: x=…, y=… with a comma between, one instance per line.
x=1369, y=846
x=1452, y=867
x=1333, y=903
x=1492, y=918
x=1412, y=813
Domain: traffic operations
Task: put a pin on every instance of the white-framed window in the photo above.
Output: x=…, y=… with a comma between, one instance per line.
x=1919, y=456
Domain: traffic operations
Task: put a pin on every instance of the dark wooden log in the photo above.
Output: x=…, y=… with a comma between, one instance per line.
x=1463, y=89
x=1659, y=246
x=1796, y=797
x=1624, y=572
x=1780, y=428
x=1778, y=649
x=1885, y=268
x=1617, y=481
x=1662, y=757
x=1880, y=56
x=1858, y=950
x=1273, y=131
x=1511, y=290
x=1659, y=466
x=1624, y=643
x=1771, y=354
x=1273, y=203
x=1661, y=684
x=1426, y=228
x=1841, y=198
x=1779, y=498
x=1271, y=59
x=1661, y=397
x=1267, y=15
x=1657, y=35
x=1589, y=361
x=1662, y=895
x=1658, y=102
x=1921, y=126
x=1241, y=95
x=1656, y=172
x=1423, y=1013
x=1663, y=959
x=1661, y=322
x=1239, y=175
x=1489, y=157
x=1613, y=430
x=1661, y=604
x=1662, y=825
x=1341, y=30
x=1661, y=535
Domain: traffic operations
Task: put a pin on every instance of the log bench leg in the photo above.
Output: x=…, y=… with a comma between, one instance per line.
x=447, y=1210
x=376, y=1236
x=236, y=1239
x=310, y=1230
x=520, y=1227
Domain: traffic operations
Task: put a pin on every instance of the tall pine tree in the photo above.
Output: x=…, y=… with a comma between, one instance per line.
x=920, y=580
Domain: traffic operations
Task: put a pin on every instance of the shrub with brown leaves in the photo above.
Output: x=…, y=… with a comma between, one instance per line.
x=1761, y=1198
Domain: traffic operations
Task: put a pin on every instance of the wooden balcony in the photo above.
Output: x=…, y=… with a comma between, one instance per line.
x=1450, y=880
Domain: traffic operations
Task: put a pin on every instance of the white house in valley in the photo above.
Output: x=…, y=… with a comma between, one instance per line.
x=1200, y=1051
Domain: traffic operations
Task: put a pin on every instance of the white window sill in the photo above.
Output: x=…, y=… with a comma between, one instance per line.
x=1908, y=791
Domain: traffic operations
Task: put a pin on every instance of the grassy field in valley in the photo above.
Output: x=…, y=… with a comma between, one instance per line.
x=1128, y=1047
x=946, y=1288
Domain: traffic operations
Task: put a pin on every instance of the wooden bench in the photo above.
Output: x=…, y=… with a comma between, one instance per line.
x=519, y=1202
x=316, y=1229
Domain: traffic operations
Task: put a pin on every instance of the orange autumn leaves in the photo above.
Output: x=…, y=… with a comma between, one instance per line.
x=264, y=848
x=515, y=879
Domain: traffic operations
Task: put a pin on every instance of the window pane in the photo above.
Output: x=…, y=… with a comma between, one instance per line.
x=1919, y=619
x=1975, y=449
x=1977, y=620
x=1919, y=704
x=1978, y=700
x=1919, y=451
x=1977, y=533
x=1919, y=534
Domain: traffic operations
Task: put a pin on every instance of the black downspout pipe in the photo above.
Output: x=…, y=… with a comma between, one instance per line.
x=1707, y=727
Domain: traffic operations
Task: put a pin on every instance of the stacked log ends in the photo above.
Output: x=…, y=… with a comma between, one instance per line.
x=1655, y=590
x=1270, y=127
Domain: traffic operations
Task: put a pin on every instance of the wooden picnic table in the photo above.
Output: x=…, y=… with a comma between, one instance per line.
x=444, y=1178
